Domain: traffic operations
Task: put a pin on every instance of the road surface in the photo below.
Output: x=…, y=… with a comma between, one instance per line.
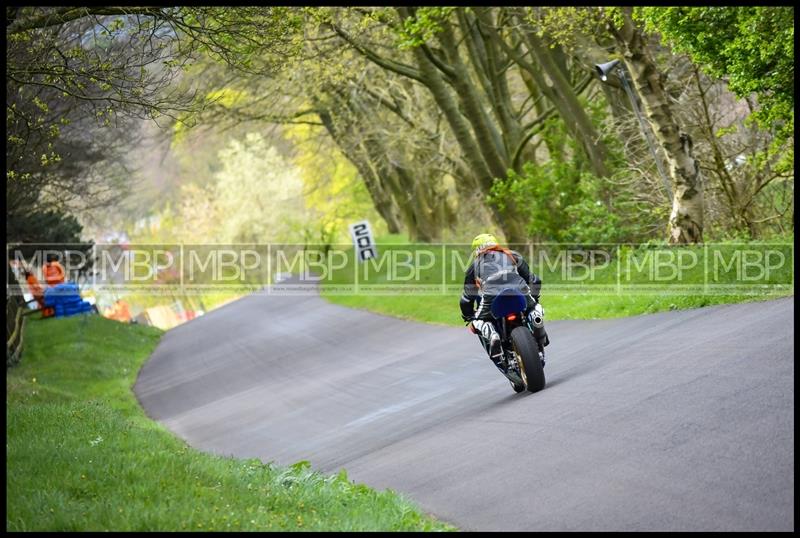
x=673, y=421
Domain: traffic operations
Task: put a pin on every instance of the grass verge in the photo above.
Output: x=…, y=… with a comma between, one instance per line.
x=82, y=456
x=621, y=282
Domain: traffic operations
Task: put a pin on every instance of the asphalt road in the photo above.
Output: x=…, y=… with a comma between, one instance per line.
x=671, y=421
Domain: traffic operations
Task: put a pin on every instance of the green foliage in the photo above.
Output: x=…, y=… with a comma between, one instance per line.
x=591, y=220
x=83, y=456
x=251, y=193
x=426, y=23
x=43, y=227
x=258, y=195
x=255, y=196
x=543, y=192
x=750, y=46
x=567, y=205
x=250, y=39
x=61, y=231
x=563, y=25
x=104, y=67
x=334, y=193
x=563, y=201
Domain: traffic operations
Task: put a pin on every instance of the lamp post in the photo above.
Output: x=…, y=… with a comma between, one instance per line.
x=604, y=70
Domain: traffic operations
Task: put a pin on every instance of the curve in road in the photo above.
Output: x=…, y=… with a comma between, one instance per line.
x=673, y=421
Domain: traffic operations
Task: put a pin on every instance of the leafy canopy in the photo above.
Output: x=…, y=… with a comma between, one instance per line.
x=750, y=46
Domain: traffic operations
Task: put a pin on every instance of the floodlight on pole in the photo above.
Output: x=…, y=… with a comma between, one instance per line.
x=604, y=70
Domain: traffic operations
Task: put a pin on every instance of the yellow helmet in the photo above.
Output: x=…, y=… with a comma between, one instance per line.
x=482, y=241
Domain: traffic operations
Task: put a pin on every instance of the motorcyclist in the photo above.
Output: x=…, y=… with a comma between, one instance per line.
x=496, y=268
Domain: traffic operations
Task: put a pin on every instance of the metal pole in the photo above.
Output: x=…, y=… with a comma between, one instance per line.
x=646, y=132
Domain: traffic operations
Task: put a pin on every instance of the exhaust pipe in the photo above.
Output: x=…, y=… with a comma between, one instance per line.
x=537, y=316
x=537, y=321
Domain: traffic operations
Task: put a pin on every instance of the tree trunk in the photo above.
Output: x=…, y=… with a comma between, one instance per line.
x=686, y=219
x=512, y=227
x=383, y=202
x=561, y=93
x=485, y=56
x=488, y=138
x=407, y=192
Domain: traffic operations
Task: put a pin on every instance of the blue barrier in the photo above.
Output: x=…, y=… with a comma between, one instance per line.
x=65, y=299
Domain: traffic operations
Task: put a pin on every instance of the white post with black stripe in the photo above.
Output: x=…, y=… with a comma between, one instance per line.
x=363, y=241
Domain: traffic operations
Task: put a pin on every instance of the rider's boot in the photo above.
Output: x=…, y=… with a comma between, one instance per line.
x=496, y=352
x=491, y=341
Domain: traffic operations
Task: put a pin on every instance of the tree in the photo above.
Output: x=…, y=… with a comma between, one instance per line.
x=686, y=218
x=424, y=97
x=60, y=157
x=460, y=56
x=110, y=64
x=258, y=194
x=55, y=231
x=750, y=47
x=333, y=192
x=381, y=124
x=43, y=227
x=751, y=191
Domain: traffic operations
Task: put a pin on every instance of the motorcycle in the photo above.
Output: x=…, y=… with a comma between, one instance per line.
x=523, y=359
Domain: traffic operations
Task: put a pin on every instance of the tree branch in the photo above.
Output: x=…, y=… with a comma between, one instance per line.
x=391, y=65
x=66, y=14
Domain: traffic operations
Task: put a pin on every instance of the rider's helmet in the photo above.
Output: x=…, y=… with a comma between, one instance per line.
x=483, y=241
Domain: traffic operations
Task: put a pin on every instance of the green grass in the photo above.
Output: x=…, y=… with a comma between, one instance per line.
x=635, y=280
x=82, y=456
x=444, y=310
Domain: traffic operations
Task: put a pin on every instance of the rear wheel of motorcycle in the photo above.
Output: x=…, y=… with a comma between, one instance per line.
x=530, y=366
